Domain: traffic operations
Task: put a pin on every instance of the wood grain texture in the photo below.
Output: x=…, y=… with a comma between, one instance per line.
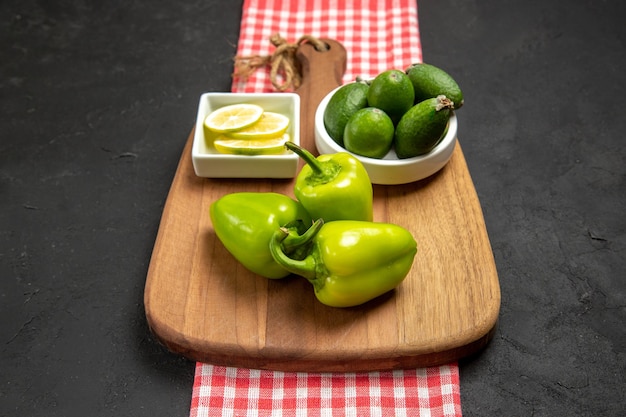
x=201, y=303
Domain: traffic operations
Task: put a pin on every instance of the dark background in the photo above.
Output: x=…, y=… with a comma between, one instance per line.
x=97, y=100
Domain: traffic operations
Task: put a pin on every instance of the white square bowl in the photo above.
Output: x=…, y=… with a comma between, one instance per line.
x=209, y=163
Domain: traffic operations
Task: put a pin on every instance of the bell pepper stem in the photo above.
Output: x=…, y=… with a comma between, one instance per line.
x=293, y=240
x=305, y=267
x=307, y=156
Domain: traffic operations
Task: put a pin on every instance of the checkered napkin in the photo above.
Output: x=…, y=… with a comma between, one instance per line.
x=378, y=35
x=227, y=391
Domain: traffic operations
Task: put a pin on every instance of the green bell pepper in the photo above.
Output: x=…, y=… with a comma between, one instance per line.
x=245, y=222
x=350, y=262
x=333, y=187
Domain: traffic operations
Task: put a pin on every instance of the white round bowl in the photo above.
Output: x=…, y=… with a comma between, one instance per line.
x=390, y=170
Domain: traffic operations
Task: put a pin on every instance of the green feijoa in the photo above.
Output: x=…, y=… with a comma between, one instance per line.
x=392, y=92
x=369, y=132
x=422, y=127
x=430, y=81
x=344, y=103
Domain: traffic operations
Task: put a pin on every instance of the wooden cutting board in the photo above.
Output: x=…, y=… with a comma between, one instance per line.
x=201, y=303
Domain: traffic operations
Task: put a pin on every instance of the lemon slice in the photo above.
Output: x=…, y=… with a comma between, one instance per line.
x=272, y=146
x=270, y=125
x=233, y=117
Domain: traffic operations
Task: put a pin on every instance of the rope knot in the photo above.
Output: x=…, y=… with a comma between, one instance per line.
x=283, y=63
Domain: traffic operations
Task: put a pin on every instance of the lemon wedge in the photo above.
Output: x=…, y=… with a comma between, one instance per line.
x=233, y=117
x=270, y=125
x=272, y=146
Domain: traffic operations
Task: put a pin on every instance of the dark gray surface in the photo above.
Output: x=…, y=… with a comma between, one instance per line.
x=96, y=102
x=546, y=152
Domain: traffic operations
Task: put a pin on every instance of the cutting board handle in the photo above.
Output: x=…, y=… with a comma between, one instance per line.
x=322, y=71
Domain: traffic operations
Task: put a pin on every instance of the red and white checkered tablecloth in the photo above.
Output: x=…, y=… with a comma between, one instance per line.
x=227, y=391
x=378, y=35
